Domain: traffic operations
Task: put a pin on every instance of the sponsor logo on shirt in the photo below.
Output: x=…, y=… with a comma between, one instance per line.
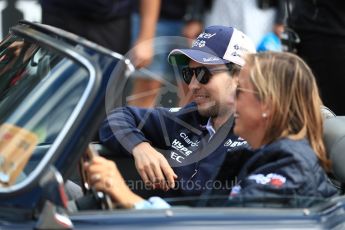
x=180, y=147
x=174, y=110
x=189, y=141
x=272, y=178
x=231, y=143
x=176, y=157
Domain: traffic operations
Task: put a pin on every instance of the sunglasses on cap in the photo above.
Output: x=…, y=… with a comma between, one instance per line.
x=202, y=73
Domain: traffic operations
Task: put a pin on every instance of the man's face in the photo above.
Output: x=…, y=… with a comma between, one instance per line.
x=216, y=98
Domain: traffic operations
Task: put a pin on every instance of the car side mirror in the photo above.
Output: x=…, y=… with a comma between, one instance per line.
x=53, y=214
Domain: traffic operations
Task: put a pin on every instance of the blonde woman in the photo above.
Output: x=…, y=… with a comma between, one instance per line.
x=278, y=113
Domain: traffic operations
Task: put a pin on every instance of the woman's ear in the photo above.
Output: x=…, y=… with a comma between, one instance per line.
x=266, y=110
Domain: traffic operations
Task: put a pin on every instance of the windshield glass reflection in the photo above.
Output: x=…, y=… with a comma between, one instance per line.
x=39, y=89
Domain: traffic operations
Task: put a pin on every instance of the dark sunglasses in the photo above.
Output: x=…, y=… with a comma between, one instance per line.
x=203, y=74
x=240, y=89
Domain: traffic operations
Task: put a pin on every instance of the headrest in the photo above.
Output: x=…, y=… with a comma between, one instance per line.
x=334, y=138
x=327, y=113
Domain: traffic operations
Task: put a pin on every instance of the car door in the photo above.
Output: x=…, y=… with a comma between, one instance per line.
x=51, y=91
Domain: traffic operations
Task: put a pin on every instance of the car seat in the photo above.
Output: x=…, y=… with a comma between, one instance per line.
x=334, y=138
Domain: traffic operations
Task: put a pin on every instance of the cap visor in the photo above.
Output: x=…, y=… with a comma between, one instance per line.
x=183, y=56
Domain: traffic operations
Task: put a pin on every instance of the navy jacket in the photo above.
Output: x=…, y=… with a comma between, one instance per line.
x=278, y=171
x=180, y=135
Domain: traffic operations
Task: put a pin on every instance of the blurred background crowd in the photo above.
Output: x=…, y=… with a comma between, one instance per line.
x=147, y=30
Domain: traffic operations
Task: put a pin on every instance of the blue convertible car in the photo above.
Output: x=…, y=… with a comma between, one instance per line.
x=52, y=100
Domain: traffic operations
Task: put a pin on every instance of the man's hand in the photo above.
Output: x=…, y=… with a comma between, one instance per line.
x=142, y=53
x=153, y=167
x=143, y=50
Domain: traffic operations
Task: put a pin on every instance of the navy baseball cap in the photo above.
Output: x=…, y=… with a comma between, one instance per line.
x=216, y=45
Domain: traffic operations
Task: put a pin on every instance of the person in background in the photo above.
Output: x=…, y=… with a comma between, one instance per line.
x=283, y=127
x=255, y=18
x=106, y=23
x=10, y=15
x=320, y=26
x=179, y=23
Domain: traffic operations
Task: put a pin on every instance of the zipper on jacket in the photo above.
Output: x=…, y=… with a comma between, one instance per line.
x=195, y=170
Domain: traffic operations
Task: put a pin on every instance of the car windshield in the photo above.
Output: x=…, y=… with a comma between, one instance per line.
x=36, y=101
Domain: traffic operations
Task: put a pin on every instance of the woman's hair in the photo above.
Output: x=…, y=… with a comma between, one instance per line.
x=289, y=86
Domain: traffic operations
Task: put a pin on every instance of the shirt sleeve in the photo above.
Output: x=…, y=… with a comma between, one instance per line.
x=126, y=127
x=154, y=202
